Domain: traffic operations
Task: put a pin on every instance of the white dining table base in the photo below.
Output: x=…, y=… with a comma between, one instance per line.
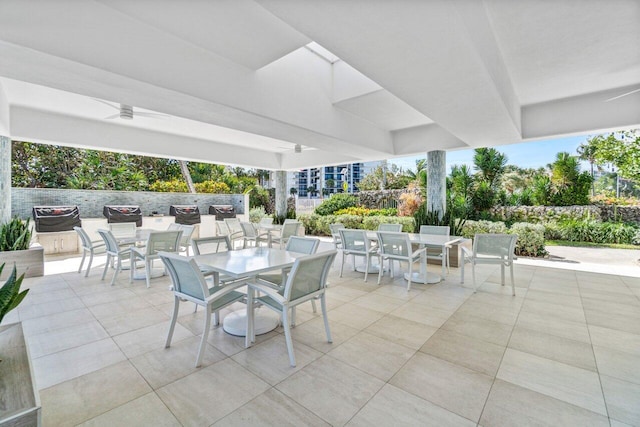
x=424, y=278
x=235, y=323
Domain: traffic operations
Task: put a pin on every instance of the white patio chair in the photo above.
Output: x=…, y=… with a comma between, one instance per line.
x=250, y=234
x=114, y=252
x=356, y=243
x=224, y=230
x=307, y=280
x=282, y=236
x=189, y=284
x=396, y=246
x=187, y=232
x=266, y=221
x=390, y=227
x=159, y=241
x=335, y=234
x=437, y=253
x=123, y=229
x=491, y=249
x=89, y=246
x=235, y=229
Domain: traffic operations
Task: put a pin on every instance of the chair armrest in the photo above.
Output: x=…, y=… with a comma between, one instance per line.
x=418, y=252
x=268, y=291
x=450, y=243
x=136, y=252
x=466, y=252
x=225, y=290
x=97, y=243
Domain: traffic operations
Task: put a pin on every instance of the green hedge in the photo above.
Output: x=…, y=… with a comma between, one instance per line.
x=336, y=202
x=318, y=225
x=593, y=231
x=530, y=236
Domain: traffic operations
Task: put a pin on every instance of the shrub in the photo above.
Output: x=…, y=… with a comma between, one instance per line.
x=335, y=203
x=471, y=228
x=315, y=224
x=597, y=232
x=212, y=187
x=361, y=211
x=15, y=235
x=530, y=239
x=409, y=204
x=372, y=222
x=256, y=214
x=173, y=186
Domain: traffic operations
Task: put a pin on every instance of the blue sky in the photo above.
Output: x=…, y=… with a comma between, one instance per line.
x=525, y=155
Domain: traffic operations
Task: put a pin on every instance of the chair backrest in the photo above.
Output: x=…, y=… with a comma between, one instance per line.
x=210, y=245
x=308, y=275
x=267, y=220
x=187, y=232
x=390, y=227
x=223, y=228
x=494, y=245
x=290, y=229
x=394, y=243
x=233, y=224
x=248, y=230
x=336, y=227
x=173, y=226
x=303, y=245
x=84, y=237
x=354, y=240
x=110, y=242
x=165, y=241
x=441, y=230
x=186, y=275
x=123, y=229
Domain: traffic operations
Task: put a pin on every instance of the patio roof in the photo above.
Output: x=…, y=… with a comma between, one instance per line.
x=348, y=81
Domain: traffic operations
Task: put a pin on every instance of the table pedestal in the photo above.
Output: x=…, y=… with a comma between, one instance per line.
x=425, y=278
x=236, y=323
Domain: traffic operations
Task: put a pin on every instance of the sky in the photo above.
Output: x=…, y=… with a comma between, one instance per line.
x=525, y=155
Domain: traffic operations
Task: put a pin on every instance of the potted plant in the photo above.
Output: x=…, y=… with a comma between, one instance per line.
x=10, y=295
x=16, y=248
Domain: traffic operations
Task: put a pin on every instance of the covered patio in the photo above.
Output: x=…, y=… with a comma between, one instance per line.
x=564, y=351
x=284, y=85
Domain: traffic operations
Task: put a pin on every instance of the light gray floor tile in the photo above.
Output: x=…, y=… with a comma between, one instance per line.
x=146, y=410
x=401, y=331
x=617, y=364
x=622, y=399
x=193, y=401
x=118, y=308
x=64, y=338
x=313, y=334
x=480, y=328
x=394, y=407
x=481, y=356
x=376, y=302
x=85, y=397
x=68, y=364
x=43, y=297
x=562, y=328
x=271, y=408
x=270, y=360
x=149, y=338
x=421, y=313
x=331, y=389
x=564, y=382
x=230, y=344
x=373, y=355
x=571, y=352
x=511, y=405
x=165, y=365
x=614, y=339
x=619, y=322
x=354, y=316
x=453, y=387
x=554, y=311
x=45, y=309
x=52, y=322
x=136, y=319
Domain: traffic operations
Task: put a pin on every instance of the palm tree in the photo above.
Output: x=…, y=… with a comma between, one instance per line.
x=490, y=163
x=293, y=191
x=311, y=190
x=588, y=152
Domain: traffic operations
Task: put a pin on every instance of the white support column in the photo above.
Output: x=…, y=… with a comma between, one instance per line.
x=437, y=182
x=5, y=179
x=281, y=193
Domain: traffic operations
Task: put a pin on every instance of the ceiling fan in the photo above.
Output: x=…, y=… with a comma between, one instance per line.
x=623, y=95
x=297, y=148
x=126, y=112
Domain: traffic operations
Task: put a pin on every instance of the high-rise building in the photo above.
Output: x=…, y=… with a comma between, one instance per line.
x=327, y=180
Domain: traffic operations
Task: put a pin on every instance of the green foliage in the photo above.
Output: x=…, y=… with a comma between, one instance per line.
x=318, y=225
x=471, y=228
x=569, y=185
x=10, y=295
x=336, y=202
x=530, y=239
x=257, y=213
x=358, y=210
x=588, y=230
x=372, y=222
x=395, y=179
x=212, y=187
x=622, y=149
x=259, y=196
x=483, y=197
x=424, y=217
x=490, y=164
x=173, y=186
x=15, y=235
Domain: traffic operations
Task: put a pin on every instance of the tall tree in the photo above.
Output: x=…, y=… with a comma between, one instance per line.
x=622, y=149
x=490, y=163
x=587, y=151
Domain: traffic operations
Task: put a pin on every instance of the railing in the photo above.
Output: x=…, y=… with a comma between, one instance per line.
x=306, y=205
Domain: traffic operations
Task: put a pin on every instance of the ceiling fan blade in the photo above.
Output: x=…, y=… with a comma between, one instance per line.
x=115, y=116
x=107, y=103
x=623, y=95
x=143, y=114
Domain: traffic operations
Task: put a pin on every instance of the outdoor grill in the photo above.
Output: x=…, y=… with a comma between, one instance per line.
x=56, y=218
x=185, y=214
x=123, y=214
x=222, y=211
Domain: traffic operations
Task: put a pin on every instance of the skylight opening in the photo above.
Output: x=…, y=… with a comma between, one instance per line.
x=322, y=52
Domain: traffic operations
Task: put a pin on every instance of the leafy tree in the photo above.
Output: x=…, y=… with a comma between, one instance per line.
x=490, y=163
x=395, y=179
x=293, y=191
x=420, y=174
x=621, y=149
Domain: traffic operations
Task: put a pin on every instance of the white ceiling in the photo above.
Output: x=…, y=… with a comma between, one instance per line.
x=241, y=86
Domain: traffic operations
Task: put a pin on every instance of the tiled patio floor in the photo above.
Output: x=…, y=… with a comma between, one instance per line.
x=565, y=351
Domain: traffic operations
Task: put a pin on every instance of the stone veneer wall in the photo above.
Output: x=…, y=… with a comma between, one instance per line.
x=91, y=202
x=597, y=212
